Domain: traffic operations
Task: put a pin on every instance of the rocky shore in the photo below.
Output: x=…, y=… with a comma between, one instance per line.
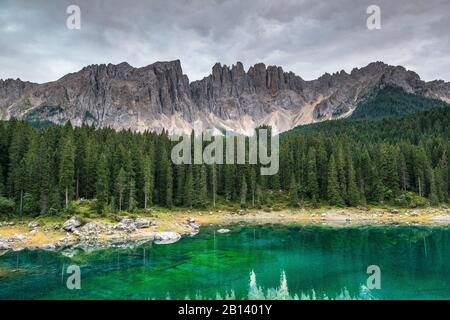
x=73, y=234
x=168, y=228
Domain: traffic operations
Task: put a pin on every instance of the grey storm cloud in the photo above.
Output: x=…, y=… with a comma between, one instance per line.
x=308, y=37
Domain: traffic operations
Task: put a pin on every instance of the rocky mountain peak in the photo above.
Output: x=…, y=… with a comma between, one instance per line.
x=160, y=96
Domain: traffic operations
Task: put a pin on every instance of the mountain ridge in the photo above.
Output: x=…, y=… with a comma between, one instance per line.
x=160, y=96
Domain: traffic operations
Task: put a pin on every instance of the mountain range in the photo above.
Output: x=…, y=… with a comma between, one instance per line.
x=159, y=96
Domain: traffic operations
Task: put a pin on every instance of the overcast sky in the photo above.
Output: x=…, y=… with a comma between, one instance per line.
x=308, y=37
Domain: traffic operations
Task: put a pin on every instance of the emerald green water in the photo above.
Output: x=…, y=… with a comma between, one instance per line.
x=318, y=263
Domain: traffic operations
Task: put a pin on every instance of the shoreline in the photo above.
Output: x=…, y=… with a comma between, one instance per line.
x=56, y=234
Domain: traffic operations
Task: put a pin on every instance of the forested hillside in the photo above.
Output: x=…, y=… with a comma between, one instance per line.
x=403, y=161
x=393, y=102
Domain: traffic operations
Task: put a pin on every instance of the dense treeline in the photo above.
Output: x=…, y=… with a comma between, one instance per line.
x=393, y=102
x=401, y=160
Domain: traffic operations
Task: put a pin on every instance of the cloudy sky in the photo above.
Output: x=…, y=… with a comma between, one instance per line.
x=308, y=37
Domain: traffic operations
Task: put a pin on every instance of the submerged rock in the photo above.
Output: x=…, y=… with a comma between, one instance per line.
x=48, y=246
x=166, y=237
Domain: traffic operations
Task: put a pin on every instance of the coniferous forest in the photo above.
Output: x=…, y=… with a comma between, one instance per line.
x=403, y=161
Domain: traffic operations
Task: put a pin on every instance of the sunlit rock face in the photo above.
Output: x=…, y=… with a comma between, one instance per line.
x=160, y=97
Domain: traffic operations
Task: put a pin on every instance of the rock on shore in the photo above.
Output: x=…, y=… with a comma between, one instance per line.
x=166, y=237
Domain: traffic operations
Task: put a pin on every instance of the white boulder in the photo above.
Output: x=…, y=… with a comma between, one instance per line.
x=166, y=237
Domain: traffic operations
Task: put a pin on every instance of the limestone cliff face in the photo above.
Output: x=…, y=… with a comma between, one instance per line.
x=160, y=96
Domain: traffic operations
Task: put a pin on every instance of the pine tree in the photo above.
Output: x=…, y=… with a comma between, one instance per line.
x=2, y=182
x=229, y=183
x=293, y=192
x=388, y=170
x=131, y=194
x=214, y=184
x=102, y=185
x=66, y=169
x=169, y=187
x=258, y=195
x=243, y=193
x=433, y=195
x=164, y=177
x=404, y=175
x=377, y=194
x=333, y=192
x=121, y=186
x=340, y=165
x=19, y=181
x=46, y=179
x=322, y=168
x=178, y=188
x=200, y=187
x=352, y=189
x=439, y=182
x=313, y=186
x=253, y=184
x=148, y=181
x=444, y=182
x=19, y=136
x=188, y=188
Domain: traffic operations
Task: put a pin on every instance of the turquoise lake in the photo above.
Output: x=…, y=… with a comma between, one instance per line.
x=258, y=262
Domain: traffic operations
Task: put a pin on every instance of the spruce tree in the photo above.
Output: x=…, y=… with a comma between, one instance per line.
x=389, y=170
x=19, y=180
x=340, y=165
x=313, y=186
x=253, y=184
x=203, y=186
x=259, y=195
x=102, y=183
x=352, y=189
x=188, y=188
x=121, y=186
x=293, y=192
x=169, y=187
x=229, y=184
x=179, y=180
x=214, y=183
x=46, y=179
x=164, y=177
x=148, y=181
x=403, y=172
x=443, y=169
x=333, y=190
x=200, y=187
x=131, y=193
x=67, y=169
x=243, y=193
x=377, y=187
x=2, y=182
x=433, y=194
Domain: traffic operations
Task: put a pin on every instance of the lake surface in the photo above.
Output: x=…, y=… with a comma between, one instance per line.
x=272, y=262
